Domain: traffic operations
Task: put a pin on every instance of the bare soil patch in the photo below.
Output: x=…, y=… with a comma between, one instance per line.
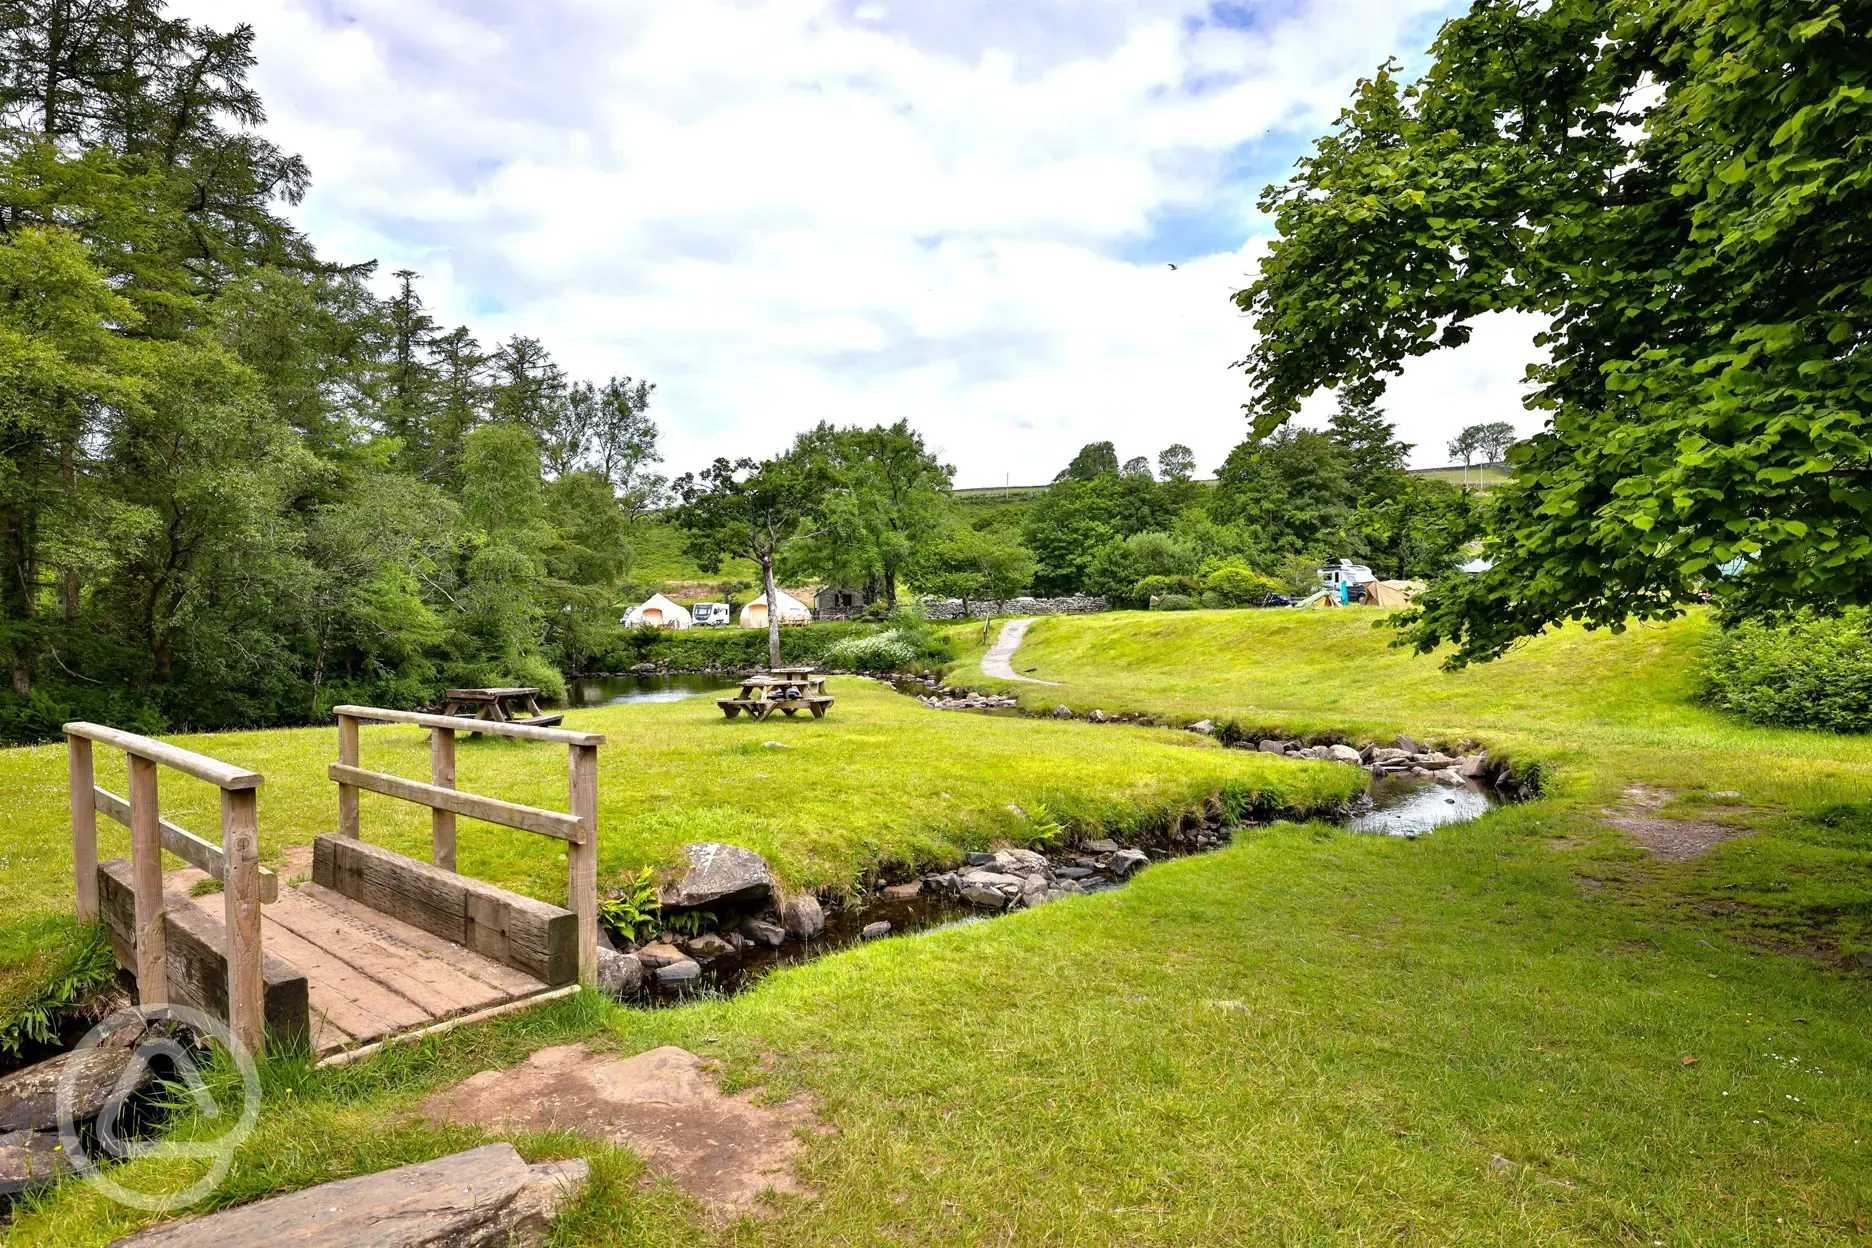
x=1666, y=840
x=724, y=1150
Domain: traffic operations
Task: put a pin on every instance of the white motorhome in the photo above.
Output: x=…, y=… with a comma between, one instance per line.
x=712, y=614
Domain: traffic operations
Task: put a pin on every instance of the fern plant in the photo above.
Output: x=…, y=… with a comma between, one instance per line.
x=632, y=911
x=34, y=1015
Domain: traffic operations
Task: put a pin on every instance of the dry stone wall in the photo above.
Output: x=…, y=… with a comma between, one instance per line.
x=1078, y=604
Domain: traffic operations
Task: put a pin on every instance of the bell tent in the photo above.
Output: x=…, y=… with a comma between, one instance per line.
x=657, y=612
x=792, y=611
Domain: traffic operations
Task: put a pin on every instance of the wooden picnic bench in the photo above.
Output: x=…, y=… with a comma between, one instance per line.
x=788, y=690
x=494, y=704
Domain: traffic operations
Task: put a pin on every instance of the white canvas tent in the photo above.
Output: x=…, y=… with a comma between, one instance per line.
x=792, y=611
x=658, y=612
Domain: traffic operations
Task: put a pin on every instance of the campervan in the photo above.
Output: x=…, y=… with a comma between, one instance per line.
x=712, y=614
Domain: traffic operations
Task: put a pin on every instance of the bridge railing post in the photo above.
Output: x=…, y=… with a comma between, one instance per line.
x=442, y=822
x=582, y=857
x=81, y=769
x=146, y=875
x=240, y=871
x=348, y=794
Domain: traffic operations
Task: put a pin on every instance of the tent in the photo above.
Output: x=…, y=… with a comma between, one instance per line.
x=658, y=612
x=792, y=611
x=1390, y=593
x=1319, y=599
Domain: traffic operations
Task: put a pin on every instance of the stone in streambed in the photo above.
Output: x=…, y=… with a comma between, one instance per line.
x=620, y=975
x=1102, y=846
x=1019, y=861
x=984, y=896
x=803, y=917
x=707, y=945
x=874, y=930
x=719, y=873
x=903, y=892
x=660, y=954
x=761, y=932
x=1127, y=861
x=1343, y=754
x=679, y=972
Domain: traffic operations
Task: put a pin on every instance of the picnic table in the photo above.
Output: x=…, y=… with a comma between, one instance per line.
x=785, y=689
x=518, y=705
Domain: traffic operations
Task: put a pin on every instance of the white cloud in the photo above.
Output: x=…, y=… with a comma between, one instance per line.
x=959, y=213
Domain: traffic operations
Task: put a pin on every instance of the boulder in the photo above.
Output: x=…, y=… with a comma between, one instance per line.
x=1033, y=890
x=978, y=858
x=1318, y=752
x=620, y=975
x=1410, y=745
x=1271, y=746
x=1435, y=760
x=659, y=954
x=1386, y=755
x=1125, y=862
x=761, y=932
x=1019, y=861
x=903, y=892
x=484, y=1197
x=1096, y=716
x=29, y=1097
x=803, y=917
x=982, y=895
x=1343, y=754
x=1449, y=778
x=1073, y=873
x=679, y=972
x=1473, y=766
x=719, y=873
x=1062, y=712
x=983, y=878
x=707, y=945
x=30, y=1159
x=874, y=930
x=1101, y=846
x=944, y=881
x=1204, y=726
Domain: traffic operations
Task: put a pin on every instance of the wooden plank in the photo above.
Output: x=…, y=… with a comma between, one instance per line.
x=559, y=736
x=188, y=762
x=541, y=721
x=347, y=756
x=429, y=982
x=195, y=942
x=442, y=822
x=202, y=855
x=78, y=766
x=240, y=897
x=146, y=872
x=529, y=935
x=504, y=979
x=483, y=695
x=363, y=1008
x=487, y=809
x=582, y=857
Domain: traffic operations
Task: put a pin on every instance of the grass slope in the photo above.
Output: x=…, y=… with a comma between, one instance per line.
x=1506, y=1033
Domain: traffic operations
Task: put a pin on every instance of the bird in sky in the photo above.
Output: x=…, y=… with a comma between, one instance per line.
x=1173, y=266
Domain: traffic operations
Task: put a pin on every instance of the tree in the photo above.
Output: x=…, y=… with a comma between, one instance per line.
x=974, y=565
x=1065, y=527
x=1094, y=460
x=1176, y=462
x=1375, y=459
x=1464, y=447
x=886, y=494
x=611, y=433
x=1494, y=440
x=1680, y=189
x=1138, y=466
x=751, y=509
x=1292, y=488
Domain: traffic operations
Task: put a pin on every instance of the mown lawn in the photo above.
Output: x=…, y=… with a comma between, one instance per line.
x=1512, y=1032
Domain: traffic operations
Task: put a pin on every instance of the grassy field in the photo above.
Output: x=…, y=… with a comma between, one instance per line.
x=1516, y=1031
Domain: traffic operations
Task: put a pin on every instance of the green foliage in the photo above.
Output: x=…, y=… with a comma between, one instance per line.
x=41, y=985
x=1094, y=460
x=688, y=922
x=1810, y=671
x=878, y=652
x=1176, y=602
x=1294, y=488
x=1679, y=188
x=887, y=496
x=1234, y=584
x=976, y=565
x=631, y=909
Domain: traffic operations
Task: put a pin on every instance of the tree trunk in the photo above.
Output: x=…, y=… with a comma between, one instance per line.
x=773, y=610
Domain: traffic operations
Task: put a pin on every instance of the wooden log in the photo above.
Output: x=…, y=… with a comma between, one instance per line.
x=347, y=756
x=78, y=764
x=240, y=893
x=487, y=809
x=188, y=762
x=196, y=947
x=177, y=840
x=582, y=857
x=559, y=736
x=485, y=1196
x=146, y=859
x=531, y=936
x=442, y=822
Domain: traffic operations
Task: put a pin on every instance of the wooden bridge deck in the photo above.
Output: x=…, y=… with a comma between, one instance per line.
x=369, y=976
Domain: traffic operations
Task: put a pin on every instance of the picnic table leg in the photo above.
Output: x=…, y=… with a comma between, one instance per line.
x=818, y=710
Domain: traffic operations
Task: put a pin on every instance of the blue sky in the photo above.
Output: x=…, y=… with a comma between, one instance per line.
x=960, y=212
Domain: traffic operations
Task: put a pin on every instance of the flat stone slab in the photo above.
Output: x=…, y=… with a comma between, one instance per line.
x=723, y=1150
x=719, y=873
x=30, y=1159
x=487, y=1197
x=29, y=1097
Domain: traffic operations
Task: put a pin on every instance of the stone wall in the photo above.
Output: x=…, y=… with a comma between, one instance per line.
x=1079, y=604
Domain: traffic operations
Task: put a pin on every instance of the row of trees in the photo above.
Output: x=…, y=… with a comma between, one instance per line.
x=235, y=483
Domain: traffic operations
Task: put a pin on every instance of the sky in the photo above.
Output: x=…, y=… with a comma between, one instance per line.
x=1015, y=223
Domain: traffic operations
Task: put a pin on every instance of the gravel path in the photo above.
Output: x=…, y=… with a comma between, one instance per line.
x=996, y=662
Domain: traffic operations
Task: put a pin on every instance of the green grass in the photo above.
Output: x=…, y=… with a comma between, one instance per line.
x=1478, y=1037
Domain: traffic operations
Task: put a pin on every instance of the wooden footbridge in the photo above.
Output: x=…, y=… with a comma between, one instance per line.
x=377, y=946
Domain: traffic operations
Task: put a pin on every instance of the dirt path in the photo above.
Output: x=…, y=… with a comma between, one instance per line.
x=996, y=662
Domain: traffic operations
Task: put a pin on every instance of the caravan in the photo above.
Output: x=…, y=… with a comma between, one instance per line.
x=712, y=614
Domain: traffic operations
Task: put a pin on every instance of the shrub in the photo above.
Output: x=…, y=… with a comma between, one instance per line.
x=1810, y=672
x=1238, y=585
x=880, y=652
x=1176, y=602
x=1160, y=586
